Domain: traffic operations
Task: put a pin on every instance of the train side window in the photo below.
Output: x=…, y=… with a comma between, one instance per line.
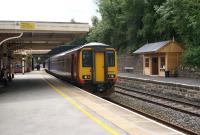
x=87, y=58
x=110, y=58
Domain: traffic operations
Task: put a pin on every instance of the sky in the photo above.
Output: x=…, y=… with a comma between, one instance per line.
x=48, y=10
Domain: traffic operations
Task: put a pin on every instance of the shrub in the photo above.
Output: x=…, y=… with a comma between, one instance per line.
x=191, y=57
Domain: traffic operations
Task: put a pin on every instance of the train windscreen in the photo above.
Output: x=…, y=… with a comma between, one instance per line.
x=110, y=58
x=87, y=58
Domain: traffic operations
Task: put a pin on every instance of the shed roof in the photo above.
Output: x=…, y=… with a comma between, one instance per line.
x=152, y=47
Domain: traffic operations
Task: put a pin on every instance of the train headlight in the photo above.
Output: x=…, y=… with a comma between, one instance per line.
x=111, y=76
x=86, y=76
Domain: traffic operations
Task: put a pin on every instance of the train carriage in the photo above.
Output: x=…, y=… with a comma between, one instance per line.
x=93, y=65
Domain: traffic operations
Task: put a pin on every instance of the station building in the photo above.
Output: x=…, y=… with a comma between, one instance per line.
x=161, y=58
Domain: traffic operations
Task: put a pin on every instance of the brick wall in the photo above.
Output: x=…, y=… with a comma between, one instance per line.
x=134, y=61
x=162, y=88
x=189, y=73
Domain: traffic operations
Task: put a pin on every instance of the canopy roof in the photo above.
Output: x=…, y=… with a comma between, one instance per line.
x=39, y=37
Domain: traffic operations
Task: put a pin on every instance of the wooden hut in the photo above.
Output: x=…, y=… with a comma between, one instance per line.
x=161, y=57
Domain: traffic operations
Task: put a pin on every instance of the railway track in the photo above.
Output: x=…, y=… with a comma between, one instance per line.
x=187, y=108
x=126, y=92
x=162, y=101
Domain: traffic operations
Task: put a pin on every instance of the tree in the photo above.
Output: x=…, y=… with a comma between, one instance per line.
x=132, y=23
x=108, y=30
x=100, y=33
x=133, y=12
x=95, y=21
x=191, y=57
x=78, y=41
x=148, y=31
x=182, y=18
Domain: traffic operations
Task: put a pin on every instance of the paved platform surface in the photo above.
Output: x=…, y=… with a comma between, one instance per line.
x=175, y=80
x=39, y=104
x=30, y=107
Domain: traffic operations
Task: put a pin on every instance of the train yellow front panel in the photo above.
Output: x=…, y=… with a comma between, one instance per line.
x=99, y=64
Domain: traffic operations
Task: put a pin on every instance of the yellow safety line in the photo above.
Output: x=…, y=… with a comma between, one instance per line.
x=92, y=117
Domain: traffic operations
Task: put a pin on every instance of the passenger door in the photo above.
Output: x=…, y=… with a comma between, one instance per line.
x=99, y=67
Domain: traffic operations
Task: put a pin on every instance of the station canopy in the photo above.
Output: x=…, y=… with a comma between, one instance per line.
x=39, y=37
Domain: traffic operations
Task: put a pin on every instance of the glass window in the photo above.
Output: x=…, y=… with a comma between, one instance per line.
x=110, y=58
x=87, y=58
x=146, y=62
x=162, y=62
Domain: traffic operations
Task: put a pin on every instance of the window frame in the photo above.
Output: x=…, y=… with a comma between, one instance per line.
x=161, y=62
x=108, y=64
x=91, y=63
x=147, y=62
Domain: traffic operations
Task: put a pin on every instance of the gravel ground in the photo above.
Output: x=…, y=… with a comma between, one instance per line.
x=172, y=116
x=172, y=96
x=177, y=80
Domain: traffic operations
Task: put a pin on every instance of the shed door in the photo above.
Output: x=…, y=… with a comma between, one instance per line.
x=99, y=66
x=155, y=66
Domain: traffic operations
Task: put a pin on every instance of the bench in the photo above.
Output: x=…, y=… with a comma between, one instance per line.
x=128, y=69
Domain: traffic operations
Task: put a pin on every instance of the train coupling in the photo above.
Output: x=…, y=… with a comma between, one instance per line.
x=100, y=87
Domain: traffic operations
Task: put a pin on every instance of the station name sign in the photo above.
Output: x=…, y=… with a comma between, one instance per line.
x=27, y=25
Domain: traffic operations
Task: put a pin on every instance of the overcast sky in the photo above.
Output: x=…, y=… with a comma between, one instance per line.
x=48, y=10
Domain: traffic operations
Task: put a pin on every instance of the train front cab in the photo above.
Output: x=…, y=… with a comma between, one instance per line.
x=98, y=67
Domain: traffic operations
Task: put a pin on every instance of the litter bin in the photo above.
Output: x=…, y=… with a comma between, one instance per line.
x=166, y=73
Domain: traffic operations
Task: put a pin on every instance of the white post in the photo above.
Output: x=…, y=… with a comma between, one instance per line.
x=23, y=65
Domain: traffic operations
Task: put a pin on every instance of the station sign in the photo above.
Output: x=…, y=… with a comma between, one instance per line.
x=27, y=25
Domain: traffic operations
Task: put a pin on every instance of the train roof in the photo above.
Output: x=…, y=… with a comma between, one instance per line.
x=60, y=49
x=93, y=44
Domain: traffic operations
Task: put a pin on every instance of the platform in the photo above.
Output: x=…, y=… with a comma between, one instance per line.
x=39, y=104
x=174, y=80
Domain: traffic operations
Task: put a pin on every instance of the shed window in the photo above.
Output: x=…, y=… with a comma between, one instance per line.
x=110, y=58
x=162, y=62
x=146, y=62
x=87, y=58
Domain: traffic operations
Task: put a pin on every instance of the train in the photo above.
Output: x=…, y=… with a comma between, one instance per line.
x=93, y=66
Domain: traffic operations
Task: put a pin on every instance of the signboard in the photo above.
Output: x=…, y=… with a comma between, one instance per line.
x=27, y=25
